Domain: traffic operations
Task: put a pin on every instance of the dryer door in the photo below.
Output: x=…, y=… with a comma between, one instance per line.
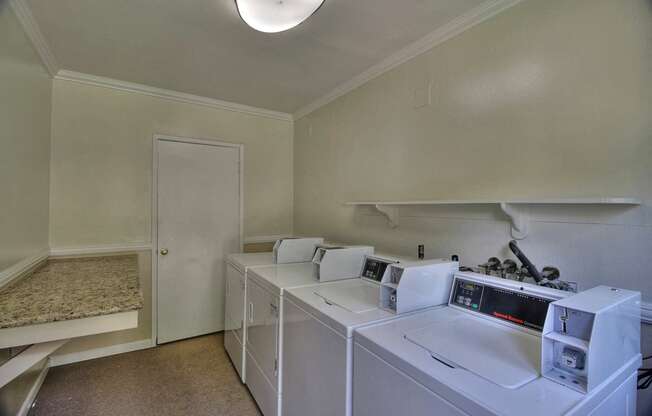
x=235, y=299
x=262, y=329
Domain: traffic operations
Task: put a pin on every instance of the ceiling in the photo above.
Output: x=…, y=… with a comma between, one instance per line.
x=202, y=47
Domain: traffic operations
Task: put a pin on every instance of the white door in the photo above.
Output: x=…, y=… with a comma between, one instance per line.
x=198, y=214
x=262, y=329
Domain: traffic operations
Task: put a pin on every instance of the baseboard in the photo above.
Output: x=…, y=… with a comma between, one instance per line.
x=109, y=248
x=75, y=357
x=23, y=266
x=33, y=392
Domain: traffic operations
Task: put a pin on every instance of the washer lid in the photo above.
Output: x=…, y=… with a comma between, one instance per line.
x=343, y=305
x=356, y=299
x=278, y=277
x=502, y=355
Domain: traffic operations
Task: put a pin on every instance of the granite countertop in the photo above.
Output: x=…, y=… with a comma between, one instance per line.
x=72, y=288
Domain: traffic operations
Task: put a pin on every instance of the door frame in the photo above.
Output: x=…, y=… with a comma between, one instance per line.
x=189, y=140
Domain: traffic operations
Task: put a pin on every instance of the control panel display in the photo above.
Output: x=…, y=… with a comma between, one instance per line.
x=468, y=294
x=374, y=269
x=513, y=306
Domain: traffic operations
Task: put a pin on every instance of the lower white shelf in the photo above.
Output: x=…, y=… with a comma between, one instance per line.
x=73, y=328
x=26, y=359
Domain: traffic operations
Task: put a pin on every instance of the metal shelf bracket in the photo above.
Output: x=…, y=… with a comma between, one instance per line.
x=390, y=212
x=519, y=217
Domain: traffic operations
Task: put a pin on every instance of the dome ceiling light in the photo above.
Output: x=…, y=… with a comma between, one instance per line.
x=272, y=16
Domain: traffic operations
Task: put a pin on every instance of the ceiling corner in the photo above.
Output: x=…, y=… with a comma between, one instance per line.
x=453, y=28
x=33, y=32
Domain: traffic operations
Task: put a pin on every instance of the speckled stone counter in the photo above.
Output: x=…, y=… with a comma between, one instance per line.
x=64, y=289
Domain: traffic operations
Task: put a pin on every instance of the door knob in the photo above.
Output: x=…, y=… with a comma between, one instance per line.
x=164, y=251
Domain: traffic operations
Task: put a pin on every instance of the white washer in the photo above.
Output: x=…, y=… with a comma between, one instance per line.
x=318, y=340
x=481, y=355
x=235, y=304
x=288, y=250
x=266, y=287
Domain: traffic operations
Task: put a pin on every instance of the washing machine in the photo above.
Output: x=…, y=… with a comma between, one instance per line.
x=503, y=348
x=319, y=321
x=235, y=304
x=286, y=250
x=265, y=290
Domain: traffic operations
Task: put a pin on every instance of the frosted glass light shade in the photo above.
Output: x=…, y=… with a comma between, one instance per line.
x=271, y=16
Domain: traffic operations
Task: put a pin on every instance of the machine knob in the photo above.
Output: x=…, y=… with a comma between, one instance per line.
x=550, y=273
x=493, y=263
x=164, y=251
x=510, y=266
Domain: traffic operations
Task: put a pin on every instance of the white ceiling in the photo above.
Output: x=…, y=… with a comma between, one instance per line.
x=202, y=47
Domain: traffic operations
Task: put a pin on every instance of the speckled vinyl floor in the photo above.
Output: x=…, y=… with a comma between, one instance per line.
x=190, y=377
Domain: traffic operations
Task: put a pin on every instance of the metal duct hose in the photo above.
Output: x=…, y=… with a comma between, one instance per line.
x=531, y=268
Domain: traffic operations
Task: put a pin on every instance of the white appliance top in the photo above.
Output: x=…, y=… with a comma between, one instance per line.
x=478, y=389
x=343, y=305
x=596, y=300
x=242, y=261
x=354, y=298
x=278, y=277
x=497, y=353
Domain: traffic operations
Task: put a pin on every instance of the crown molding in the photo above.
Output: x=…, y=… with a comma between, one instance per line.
x=451, y=29
x=33, y=32
x=181, y=97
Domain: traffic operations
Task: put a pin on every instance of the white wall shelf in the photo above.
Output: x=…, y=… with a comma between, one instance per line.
x=516, y=210
x=71, y=328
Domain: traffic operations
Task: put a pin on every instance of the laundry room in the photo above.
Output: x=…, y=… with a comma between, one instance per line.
x=326, y=207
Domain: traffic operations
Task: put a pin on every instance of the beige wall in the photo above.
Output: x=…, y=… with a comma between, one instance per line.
x=258, y=247
x=25, y=107
x=102, y=174
x=25, y=91
x=102, y=163
x=551, y=98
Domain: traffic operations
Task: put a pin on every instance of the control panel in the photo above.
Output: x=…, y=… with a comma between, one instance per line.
x=336, y=263
x=467, y=294
x=511, y=305
x=406, y=287
x=295, y=250
x=374, y=268
x=589, y=336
